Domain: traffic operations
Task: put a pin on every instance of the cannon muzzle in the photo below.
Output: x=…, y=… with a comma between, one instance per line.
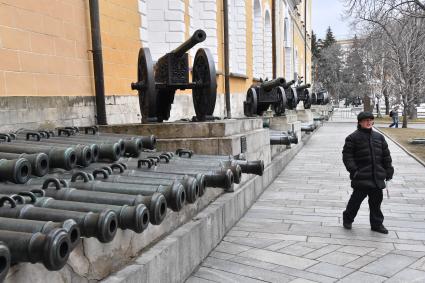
x=251, y=167
x=4, y=260
x=301, y=87
x=220, y=179
x=269, y=85
x=197, y=37
x=39, y=161
x=52, y=249
x=17, y=171
x=288, y=84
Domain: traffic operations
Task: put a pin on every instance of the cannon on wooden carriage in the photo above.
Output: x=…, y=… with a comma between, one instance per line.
x=320, y=97
x=158, y=83
x=274, y=93
x=304, y=95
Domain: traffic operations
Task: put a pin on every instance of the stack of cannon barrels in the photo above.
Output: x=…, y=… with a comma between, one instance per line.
x=57, y=187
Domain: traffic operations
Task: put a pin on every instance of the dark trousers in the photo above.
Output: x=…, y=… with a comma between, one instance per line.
x=375, y=199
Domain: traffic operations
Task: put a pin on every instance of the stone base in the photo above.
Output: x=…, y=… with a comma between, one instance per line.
x=214, y=138
x=174, y=258
x=305, y=116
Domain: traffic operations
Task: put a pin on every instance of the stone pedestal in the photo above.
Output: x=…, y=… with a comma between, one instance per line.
x=226, y=137
x=321, y=110
x=305, y=116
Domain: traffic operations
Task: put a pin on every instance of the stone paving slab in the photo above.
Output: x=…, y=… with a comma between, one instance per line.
x=294, y=230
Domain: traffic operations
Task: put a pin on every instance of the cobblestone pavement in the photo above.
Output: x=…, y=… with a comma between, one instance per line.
x=294, y=233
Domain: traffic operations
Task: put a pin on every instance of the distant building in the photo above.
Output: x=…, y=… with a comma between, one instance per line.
x=345, y=45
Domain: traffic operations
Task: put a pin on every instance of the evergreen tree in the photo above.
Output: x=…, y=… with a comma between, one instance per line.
x=329, y=39
x=315, y=50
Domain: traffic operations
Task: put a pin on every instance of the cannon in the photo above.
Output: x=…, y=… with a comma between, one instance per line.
x=282, y=138
x=17, y=171
x=308, y=128
x=249, y=167
x=175, y=196
x=5, y=261
x=34, y=226
x=51, y=249
x=102, y=225
x=304, y=95
x=135, y=218
x=263, y=95
x=157, y=84
x=39, y=161
x=65, y=158
x=320, y=98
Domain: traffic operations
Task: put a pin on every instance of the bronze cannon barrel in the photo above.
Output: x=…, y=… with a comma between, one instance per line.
x=51, y=249
x=301, y=87
x=16, y=170
x=58, y=157
x=34, y=226
x=103, y=225
x=135, y=218
x=197, y=37
x=39, y=161
x=269, y=85
x=5, y=261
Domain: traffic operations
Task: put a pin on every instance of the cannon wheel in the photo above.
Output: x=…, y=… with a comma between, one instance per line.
x=251, y=103
x=204, y=74
x=147, y=94
x=279, y=108
x=307, y=101
x=291, y=97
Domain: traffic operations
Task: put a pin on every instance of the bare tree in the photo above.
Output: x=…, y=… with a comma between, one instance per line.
x=401, y=29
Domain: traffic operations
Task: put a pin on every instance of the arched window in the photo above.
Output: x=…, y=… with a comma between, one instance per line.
x=237, y=36
x=203, y=15
x=268, y=52
x=163, y=26
x=258, y=41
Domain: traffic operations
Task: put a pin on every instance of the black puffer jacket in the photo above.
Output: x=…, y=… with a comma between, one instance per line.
x=367, y=157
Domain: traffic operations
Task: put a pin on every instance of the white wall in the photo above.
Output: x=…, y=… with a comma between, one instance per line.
x=163, y=26
x=258, y=40
x=268, y=49
x=237, y=35
x=203, y=15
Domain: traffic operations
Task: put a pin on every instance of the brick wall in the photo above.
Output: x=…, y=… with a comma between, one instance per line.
x=44, y=48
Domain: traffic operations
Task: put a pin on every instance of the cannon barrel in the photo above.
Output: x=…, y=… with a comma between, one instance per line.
x=5, y=260
x=34, y=226
x=102, y=225
x=279, y=138
x=16, y=170
x=51, y=249
x=288, y=84
x=135, y=218
x=175, y=194
x=156, y=203
x=148, y=142
x=269, y=85
x=83, y=152
x=58, y=158
x=193, y=165
x=307, y=128
x=301, y=87
x=39, y=161
x=197, y=37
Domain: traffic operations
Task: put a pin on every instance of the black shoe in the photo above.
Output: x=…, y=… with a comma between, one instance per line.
x=347, y=225
x=380, y=229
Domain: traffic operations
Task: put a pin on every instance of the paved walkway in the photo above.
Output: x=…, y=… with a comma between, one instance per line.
x=293, y=232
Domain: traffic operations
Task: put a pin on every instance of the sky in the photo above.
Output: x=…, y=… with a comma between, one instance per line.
x=330, y=13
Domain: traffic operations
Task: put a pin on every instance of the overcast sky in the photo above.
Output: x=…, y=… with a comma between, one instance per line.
x=330, y=13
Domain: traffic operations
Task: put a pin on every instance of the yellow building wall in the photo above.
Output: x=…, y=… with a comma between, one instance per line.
x=119, y=25
x=44, y=48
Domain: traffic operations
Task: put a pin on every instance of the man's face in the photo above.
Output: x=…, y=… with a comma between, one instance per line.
x=366, y=123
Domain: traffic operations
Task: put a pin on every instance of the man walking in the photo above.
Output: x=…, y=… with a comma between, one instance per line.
x=367, y=157
x=394, y=116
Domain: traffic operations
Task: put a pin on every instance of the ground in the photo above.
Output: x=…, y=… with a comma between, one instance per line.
x=403, y=136
x=294, y=233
